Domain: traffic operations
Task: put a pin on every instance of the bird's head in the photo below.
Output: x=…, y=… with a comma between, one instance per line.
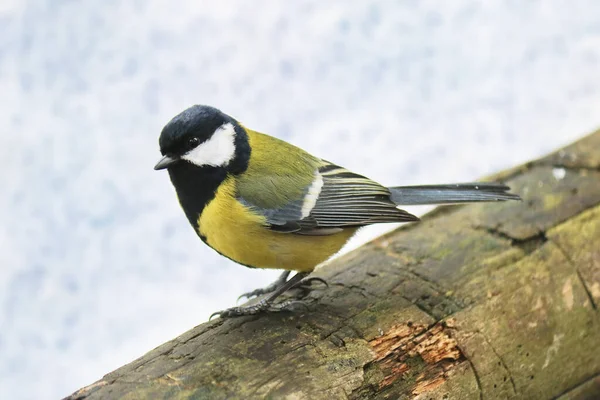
x=202, y=137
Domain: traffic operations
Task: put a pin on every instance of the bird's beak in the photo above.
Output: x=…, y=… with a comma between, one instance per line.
x=165, y=162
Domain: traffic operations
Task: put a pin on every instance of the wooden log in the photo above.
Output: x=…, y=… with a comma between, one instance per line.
x=483, y=301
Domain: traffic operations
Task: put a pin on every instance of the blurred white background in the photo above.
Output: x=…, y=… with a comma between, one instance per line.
x=98, y=263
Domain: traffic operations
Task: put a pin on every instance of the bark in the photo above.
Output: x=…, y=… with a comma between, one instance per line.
x=483, y=301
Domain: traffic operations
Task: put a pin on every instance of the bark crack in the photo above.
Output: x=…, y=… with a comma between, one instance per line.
x=477, y=379
x=578, y=272
x=420, y=300
x=424, y=309
x=475, y=373
x=576, y=386
x=528, y=244
x=345, y=324
x=361, y=290
x=510, y=377
x=407, y=268
x=587, y=290
x=261, y=384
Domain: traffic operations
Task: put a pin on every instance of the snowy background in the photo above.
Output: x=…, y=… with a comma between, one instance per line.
x=97, y=262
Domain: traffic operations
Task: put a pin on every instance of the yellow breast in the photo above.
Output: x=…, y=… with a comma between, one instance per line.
x=232, y=230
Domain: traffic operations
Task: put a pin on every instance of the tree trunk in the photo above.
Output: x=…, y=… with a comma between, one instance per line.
x=483, y=301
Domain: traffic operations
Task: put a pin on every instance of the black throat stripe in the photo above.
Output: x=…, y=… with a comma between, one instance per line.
x=196, y=187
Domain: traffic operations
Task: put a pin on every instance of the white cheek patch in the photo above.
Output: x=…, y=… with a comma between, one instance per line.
x=217, y=151
x=313, y=194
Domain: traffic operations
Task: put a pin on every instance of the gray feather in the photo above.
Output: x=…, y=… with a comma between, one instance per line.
x=451, y=194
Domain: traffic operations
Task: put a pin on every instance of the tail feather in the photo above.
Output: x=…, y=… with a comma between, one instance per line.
x=451, y=194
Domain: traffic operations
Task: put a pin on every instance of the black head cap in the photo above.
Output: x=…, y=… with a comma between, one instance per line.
x=198, y=122
x=195, y=126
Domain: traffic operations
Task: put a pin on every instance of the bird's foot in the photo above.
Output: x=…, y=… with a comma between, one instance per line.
x=267, y=289
x=261, y=306
x=304, y=287
x=276, y=289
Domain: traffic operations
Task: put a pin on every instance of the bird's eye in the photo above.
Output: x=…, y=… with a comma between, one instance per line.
x=193, y=142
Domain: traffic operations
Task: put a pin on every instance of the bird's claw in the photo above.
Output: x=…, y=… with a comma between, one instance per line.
x=308, y=281
x=257, y=292
x=267, y=289
x=305, y=287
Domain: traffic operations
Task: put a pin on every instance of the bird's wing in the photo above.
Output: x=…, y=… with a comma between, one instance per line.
x=331, y=199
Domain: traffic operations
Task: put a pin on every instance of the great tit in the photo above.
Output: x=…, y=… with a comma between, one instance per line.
x=265, y=203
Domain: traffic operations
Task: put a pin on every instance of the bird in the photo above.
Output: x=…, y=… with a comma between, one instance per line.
x=265, y=203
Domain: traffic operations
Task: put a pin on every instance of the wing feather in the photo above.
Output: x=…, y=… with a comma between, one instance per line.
x=344, y=199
